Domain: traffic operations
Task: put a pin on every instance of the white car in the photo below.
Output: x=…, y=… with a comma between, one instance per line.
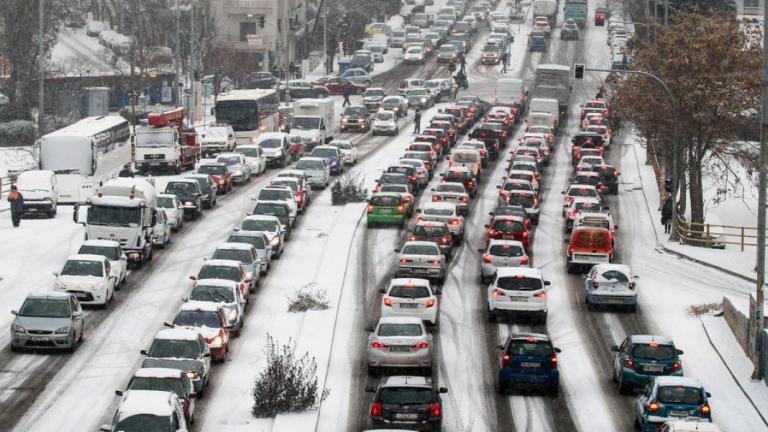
x=162, y=233
x=385, y=122
x=236, y=164
x=349, y=151
x=410, y=297
x=173, y=209
x=136, y=406
x=444, y=212
x=414, y=55
x=611, y=285
x=269, y=225
x=421, y=259
x=501, y=253
x=113, y=252
x=317, y=170
x=578, y=190
x=518, y=290
x=88, y=277
x=254, y=157
x=282, y=194
x=225, y=293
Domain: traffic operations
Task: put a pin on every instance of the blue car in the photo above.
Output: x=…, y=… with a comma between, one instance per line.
x=671, y=398
x=528, y=360
x=537, y=43
x=333, y=155
x=641, y=358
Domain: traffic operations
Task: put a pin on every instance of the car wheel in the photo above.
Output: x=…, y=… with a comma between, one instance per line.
x=15, y=349
x=428, y=371
x=501, y=390
x=492, y=316
x=624, y=389
x=374, y=371
x=52, y=213
x=637, y=424
x=554, y=391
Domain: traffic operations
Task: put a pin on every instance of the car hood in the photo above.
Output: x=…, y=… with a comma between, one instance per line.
x=182, y=364
x=42, y=323
x=373, y=98
x=79, y=280
x=354, y=117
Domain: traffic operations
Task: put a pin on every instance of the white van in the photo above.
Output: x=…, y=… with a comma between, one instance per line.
x=545, y=105
x=40, y=192
x=465, y=157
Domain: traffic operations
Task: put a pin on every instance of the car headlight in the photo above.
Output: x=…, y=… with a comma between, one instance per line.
x=189, y=203
x=216, y=342
x=232, y=315
x=238, y=173
x=192, y=375
x=18, y=329
x=423, y=100
x=62, y=330
x=285, y=227
x=275, y=241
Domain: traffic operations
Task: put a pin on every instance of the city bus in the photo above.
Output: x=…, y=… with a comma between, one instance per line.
x=86, y=154
x=249, y=112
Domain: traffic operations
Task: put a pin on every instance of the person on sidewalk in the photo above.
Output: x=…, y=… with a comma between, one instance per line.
x=504, y=62
x=17, y=205
x=347, y=92
x=463, y=62
x=417, y=122
x=666, y=214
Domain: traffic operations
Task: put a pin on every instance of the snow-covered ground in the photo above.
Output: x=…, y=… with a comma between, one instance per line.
x=77, y=53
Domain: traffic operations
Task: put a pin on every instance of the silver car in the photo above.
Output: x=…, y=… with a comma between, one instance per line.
x=227, y=294
x=270, y=225
x=444, y=212
x=245, y=254
x=47, y=321
x=237, y=165
x=421, y=259
x=501, y=253
x=401, y=342
x=173, y=209
x=260, y=241
x=162, y=233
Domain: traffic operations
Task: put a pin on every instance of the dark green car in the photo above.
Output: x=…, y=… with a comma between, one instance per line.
x=386, y=208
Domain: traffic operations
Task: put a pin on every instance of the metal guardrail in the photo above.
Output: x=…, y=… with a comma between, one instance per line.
x=716, y=236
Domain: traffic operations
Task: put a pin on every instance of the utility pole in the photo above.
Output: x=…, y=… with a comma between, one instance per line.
x=325, y=35
x=666, y=12
x=177, y=86
x=41, y=67
x=192, y=68
x=761, y=198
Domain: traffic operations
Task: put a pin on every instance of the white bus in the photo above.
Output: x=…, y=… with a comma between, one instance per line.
x=249, y=112
x=85, y=155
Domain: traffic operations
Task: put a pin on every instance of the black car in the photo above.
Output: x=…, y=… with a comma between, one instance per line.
x=260, y=80
x=513, y=210
x=609, y=178
x=356, y=117
x=207, y=187
x=188, y=192
x=411, y=402
x=490, y=130
x=461, y=175
x=299, y=89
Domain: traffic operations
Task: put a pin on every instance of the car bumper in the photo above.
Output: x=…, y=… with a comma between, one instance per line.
x=384, y=129
x=488, y=270
x=386, y=219
x=604, y=298
x=509, y=378
x=162, y=164
x=211, y=150
x=419, y=425
x=362, y=126
x=274, y=161
x=431, y=272
x=490, y=60
x=35, y=207
x=93, y=297
x=385, y=358
x=219, y=354
x=427, y=315
x=43, y=342
x=527, y=307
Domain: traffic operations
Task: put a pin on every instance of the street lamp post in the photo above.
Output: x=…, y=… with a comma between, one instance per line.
x=41, y=71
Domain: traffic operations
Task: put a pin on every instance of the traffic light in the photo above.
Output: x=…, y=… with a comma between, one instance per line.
x=578, y=71
x=261, y=21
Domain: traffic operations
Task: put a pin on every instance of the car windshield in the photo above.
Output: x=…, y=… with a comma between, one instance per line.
x=680, y=395
x=299, y=84
x=587, y=207
x=325, y=153
x=212, y=169
x=342, y=145
x=431, y=84
x=170, y=348
x=258, y=225
x=394, y=188
x=180, y=188
x=403, y=330
x=212, y=293
x=254, y=240
x=385, y=116
x=418, y=92
x=112, y=253
x=385, y=201
x=305, y=123
x=361, y=111
x=653, y=351
x=271, y=209
x=166, y=202
x=409, y=291
x=143, y=423
x=157, y=384
x=447, y=49
x=591, y=239
x=229, y=160
x=420, y=250
x=275, y=195
x=197, y=319
x=530, y=348
x=519, y=283
x=400, y=170
x=244, y=256
x=582, y=192
x=45, y=308
x=83, y=268
x=506, y=250
x=392, y=101
x=304, y=164
x=405, y=396
x=438, y=211
x=271, y=143
x=219, y=272
x=430, y=230
x=248, y=152
x=454, y=188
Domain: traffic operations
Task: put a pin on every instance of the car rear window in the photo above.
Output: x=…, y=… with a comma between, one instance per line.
x=219, y=272
x=521, y=199
x=653, y=351
x=111, y=253
x=465, y=157
x=506, y=251
x=274, y=195
x=430, y=230
x=271, y=209
x=588, y=180
x=530, y=348
x=420, y=250
x=680, y=395
x=385, y=201
x=157, y=384
x=614, y=275
x=387, y=330
x=212, y=293
x=519, y=283
x=405, y=396
x=582, y=192
x=509, y=226
x=243, y=256
x=394, y=188
x=591, y=239
x=255, y=241
x=449, y=187
x=438, y=212
x=397, y=178
x=197, y=319
x=510, y=186
x=259, y=225
x=401, y=170
x=412, y=291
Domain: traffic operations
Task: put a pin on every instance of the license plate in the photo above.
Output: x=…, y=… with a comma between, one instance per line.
x=614, y=301
x=32, y=210
x=81, y=295
x=407, y=416
x=653, y=368
x=530, y=364
x=385, y=211
x=154, y=163
x=408, y=305
x=400, y=348
x=678, y=413
x=518, y=298
x=420, y=271
x=39, y=339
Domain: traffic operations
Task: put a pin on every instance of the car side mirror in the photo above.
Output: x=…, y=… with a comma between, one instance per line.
x=144, y=352
x=168, y=324
x=442, y=390
x=248, y=279
x=679, y=352
x=567, y=240
x=55, y=274
x=709, y=395
x=207, y=355
x=369, y=389
x=498, y=186
x=397, y=250
x=418, y=210
x=486, y=226
x=615, y=348
x=547, y=283
x=193, y=277
x=615, y=227
x=118, y=392
x=13, y=312
x=76, y=314
x=562, y=192
x=105, y=428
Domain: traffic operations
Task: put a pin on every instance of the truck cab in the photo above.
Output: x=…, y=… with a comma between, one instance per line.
x=163, y=145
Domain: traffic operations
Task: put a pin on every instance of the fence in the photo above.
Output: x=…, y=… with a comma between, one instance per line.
x=716, y=236
x=5, y=185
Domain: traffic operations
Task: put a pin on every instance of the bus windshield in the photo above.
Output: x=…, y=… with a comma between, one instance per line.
x=242, y=115
x=114, y=216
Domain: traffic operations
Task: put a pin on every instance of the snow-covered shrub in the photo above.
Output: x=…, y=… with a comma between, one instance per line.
x=349, y=188
x=288, y=383
x=17, y=133
x=308, y=297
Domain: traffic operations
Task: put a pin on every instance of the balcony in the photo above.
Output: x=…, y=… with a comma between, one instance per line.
x=259, y=42
x=257, y=7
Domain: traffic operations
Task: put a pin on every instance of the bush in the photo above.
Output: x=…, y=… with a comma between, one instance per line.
x=308, y=298
x=349, y=188
x=288, y=384
x=17, y=133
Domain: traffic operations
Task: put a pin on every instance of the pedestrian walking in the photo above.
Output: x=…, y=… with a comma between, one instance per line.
x=347, y=92
x=504, y=62
x=17, y=205
x=666, y=214
x=417, y=122
x=463, y=63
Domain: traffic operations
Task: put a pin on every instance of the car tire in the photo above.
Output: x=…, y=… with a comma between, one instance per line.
x=501, y=390
x=624, y=389
x=554, y=391
x=373, y=371
x=52, y=213
x=632, y=308
x=15, y=349
x=492, y=316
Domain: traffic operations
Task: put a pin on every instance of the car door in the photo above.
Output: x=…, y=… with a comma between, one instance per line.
x=77, y=316
x=619, y=355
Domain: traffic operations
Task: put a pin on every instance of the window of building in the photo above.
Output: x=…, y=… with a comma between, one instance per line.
x=246, y=28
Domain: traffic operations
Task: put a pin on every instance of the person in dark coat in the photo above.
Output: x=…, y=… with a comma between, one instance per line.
x=463, y=62
x=666, y=215
x=417, y=122
x=347, y=92
x=17, y=205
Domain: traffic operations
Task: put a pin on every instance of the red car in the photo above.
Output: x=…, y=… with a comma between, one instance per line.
x=299, y=192
x=509, y=228
x=207, y=318
x=600, y=14
x=337, y=85
x=220, y=174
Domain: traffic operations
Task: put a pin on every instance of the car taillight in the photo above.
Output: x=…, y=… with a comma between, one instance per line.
x=430, y=303
x=453, y=222
x=387, y=301
x=628, y=363
x=497, y=293
x=404, y=261
x=524, y=260
x=413, y=178
x=420, y=345
x=413, y=238
x=378, y=345
x=571, y=214
x=436, y=198
x=377, y=409
x=419, y=219
x=706, y=410
x=400, y=209
x=595, y=284
x=434, y=261
x=653, y=407
x=506, y=360
x=471, y=184
x=525, y=234
x=378, y=188
x=370, y=209
x=570, y=250
x=434, y=410
x=540, y=294
x=553, y=361
x=631, y=285
x=487, y=259
x=676, y=366
x=491, y=232
x=445, y=240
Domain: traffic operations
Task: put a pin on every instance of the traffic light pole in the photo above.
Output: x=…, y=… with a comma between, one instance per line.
x=675, y=148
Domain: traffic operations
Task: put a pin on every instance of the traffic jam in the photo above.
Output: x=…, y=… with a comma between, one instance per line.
x=475, y=146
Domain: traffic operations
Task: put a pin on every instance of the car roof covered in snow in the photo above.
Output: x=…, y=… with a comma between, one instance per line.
x=194, y=305
x=222, y=263
x=177, y=334
x=158, y=373
x=407, y=380
x=146, y=402
x=646, y=339
x=678, y=381
x=101, y=243
x=233, y=245
x=217, y=282
x=86, y=257
x=531, y=272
